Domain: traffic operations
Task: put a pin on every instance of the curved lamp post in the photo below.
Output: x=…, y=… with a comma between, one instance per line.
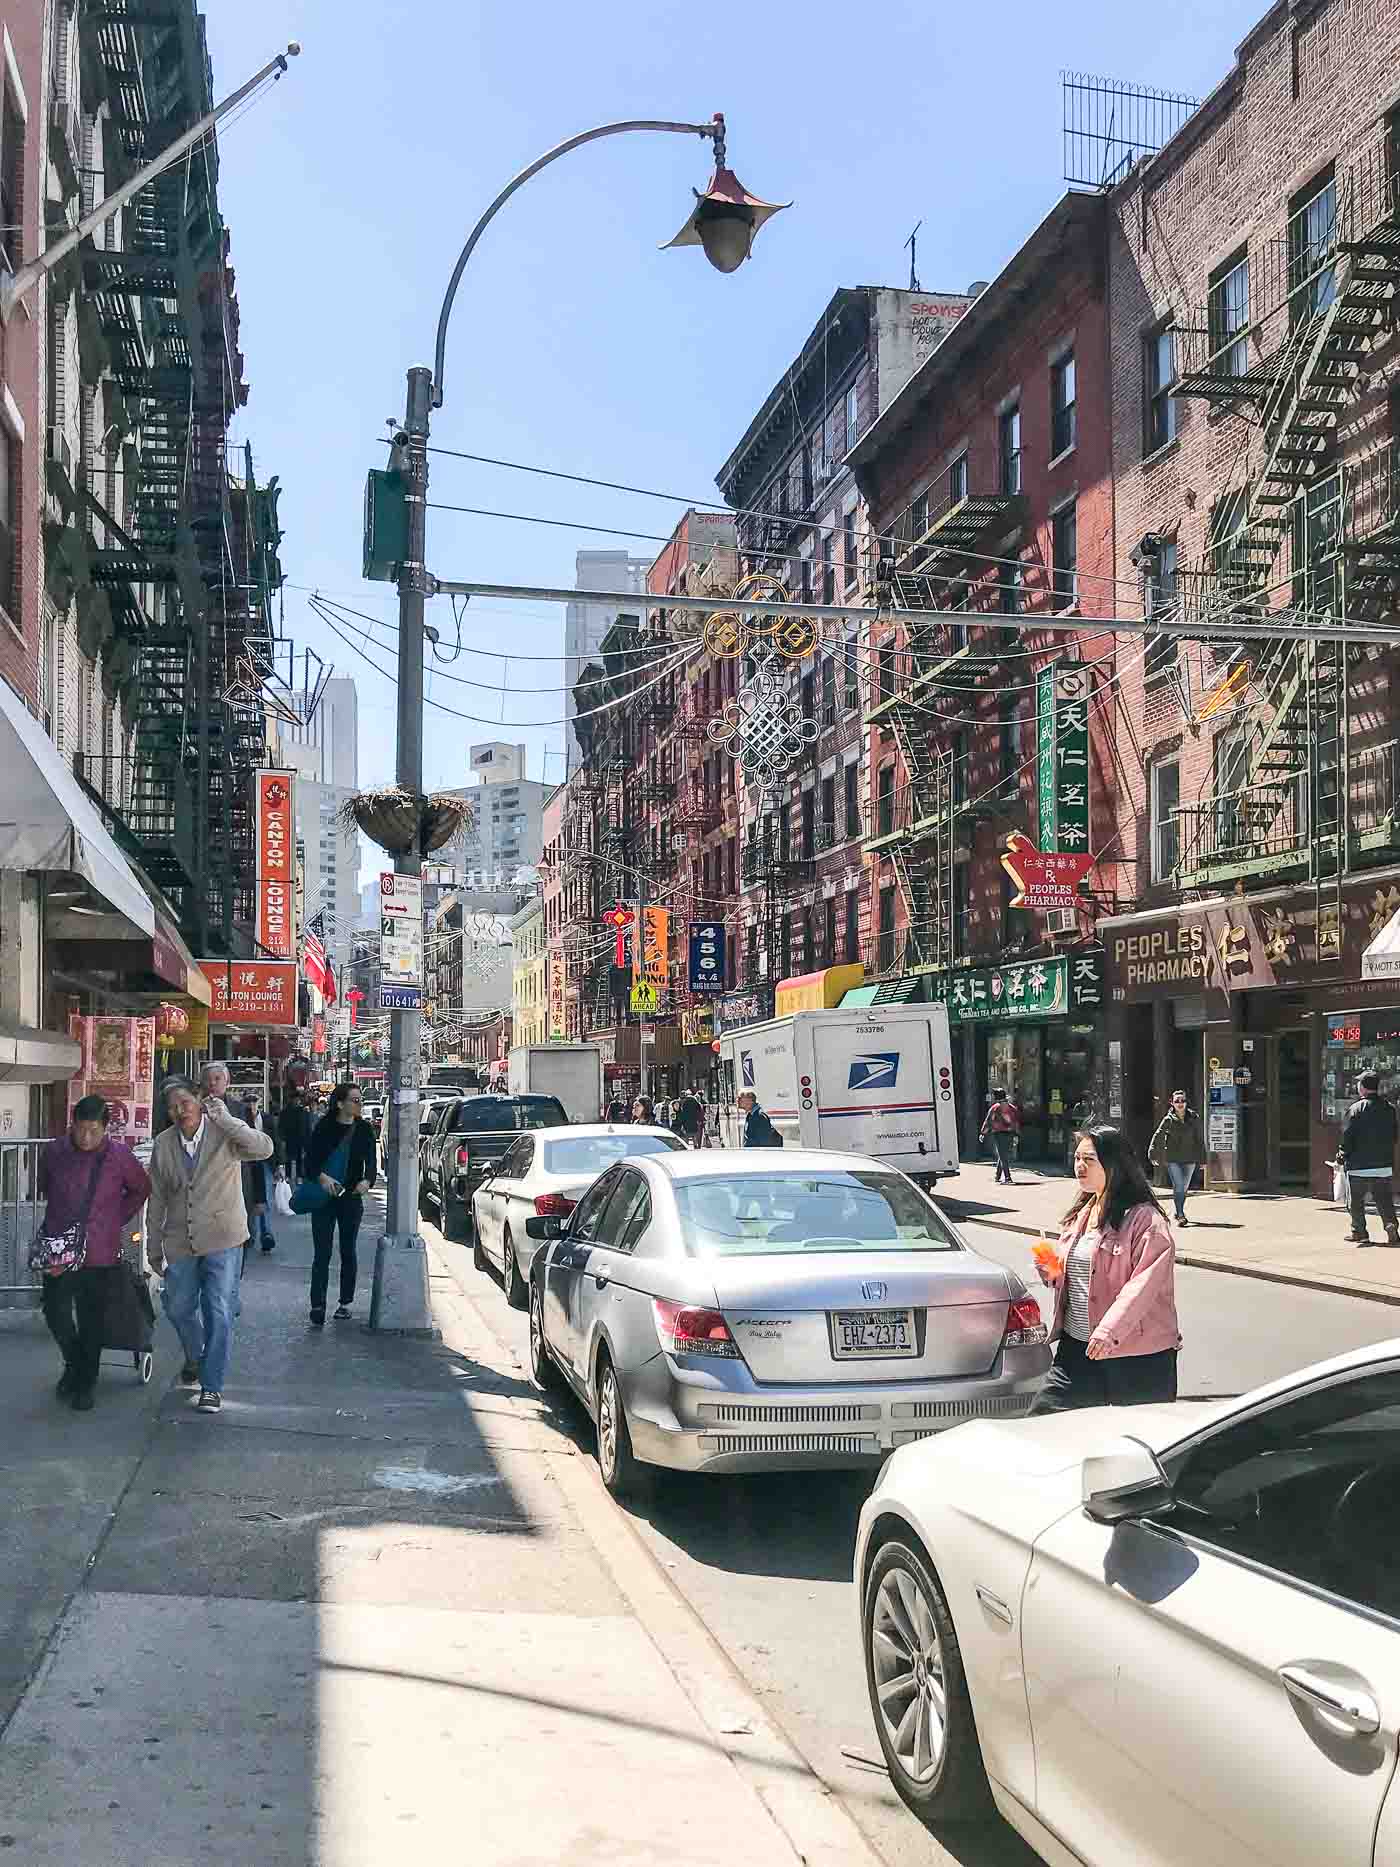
x=724, y=222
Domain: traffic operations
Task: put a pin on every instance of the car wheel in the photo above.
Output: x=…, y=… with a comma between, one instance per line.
x=517, y=1292
x=480, y=1261
x=542, y=1366
x=623, y=1475
x=918, y=1691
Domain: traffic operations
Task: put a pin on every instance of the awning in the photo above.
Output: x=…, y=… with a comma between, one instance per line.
x=1381, y=960
x=859, y=995
x=28, y=1055
x=48, y=823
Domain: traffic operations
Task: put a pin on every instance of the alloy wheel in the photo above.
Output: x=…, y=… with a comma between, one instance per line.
x=608, y=1404
x=910, y=1681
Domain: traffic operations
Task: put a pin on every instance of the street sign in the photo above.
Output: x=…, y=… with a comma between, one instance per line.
x=400, y=997
x=645, y=997
x=706, y=967
x=1045, y=878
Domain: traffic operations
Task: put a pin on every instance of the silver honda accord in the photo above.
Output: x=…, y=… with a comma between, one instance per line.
x=726, y=1311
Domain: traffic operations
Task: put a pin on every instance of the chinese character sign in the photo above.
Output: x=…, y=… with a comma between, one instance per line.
x=652, y=951
x=1045, y=756
x=558, y=995
x=275, y=846
x=706, y=968
x=1037, y=988
x=1071, y=795
x=252, y=991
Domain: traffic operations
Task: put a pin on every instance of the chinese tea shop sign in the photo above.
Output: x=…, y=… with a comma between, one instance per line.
x=1033, y=988
x=1062, y=757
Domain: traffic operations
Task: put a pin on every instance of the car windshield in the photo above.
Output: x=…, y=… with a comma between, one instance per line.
x=590, y=1153
x=487, y=1114
x=834, y=1210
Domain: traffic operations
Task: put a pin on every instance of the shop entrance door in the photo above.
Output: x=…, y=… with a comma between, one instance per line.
x=1294, y=1102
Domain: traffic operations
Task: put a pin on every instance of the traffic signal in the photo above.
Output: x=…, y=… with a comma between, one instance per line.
x=386, y=524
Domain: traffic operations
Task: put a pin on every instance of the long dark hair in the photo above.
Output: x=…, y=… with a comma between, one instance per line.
x=338, y=1095
x=1126, y=1185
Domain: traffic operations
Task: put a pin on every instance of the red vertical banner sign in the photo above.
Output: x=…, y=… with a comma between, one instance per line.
x=275, y=843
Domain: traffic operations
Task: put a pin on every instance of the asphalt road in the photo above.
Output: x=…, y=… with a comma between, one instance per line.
x=765, y=1562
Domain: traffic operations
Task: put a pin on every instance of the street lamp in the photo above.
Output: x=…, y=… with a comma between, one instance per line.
x=724, y=222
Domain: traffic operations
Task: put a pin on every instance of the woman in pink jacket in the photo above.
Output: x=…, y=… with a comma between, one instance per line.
x=1115, y=1326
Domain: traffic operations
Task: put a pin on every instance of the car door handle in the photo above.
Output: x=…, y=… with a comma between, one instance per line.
x=601, y=1280
x=1351, y=1704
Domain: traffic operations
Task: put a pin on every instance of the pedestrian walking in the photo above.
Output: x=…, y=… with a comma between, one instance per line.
x=257, y=1178
x=342, y=1158
x=689, y=1119
x=758, y=1130
x=293, y=1134
x=95, y=1186
x=617, y=1110
x=1115, y=1326
x=196, y=1226
x=1367, y=1156
x=1177, y=1146
x=644, y=1111
x=1003, y=1123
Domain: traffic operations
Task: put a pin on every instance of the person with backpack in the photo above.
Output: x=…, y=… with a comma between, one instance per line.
x=1003, y=1123
x=758, y=1129
x=688, y=1119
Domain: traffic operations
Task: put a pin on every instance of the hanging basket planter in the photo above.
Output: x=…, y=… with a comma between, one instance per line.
x=402, y=823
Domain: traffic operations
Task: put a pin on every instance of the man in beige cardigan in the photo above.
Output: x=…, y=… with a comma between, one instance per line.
x=196, y=1223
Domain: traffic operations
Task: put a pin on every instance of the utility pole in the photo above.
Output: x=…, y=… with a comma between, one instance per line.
x=399, y=1298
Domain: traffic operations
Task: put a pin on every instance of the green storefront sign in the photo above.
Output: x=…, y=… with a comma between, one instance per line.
x=1032, y=988
x=1071, y=793
x=1045, y=757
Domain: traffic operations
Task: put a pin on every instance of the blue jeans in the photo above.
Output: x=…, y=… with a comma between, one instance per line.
x=201, y=1299
x=1179, y=1172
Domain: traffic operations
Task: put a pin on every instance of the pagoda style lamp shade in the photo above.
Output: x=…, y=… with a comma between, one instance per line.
x=725, y=221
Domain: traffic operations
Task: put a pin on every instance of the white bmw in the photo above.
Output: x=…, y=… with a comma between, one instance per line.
x=1151, y=1635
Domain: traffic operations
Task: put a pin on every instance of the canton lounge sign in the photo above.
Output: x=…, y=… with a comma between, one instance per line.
x=1033, y=988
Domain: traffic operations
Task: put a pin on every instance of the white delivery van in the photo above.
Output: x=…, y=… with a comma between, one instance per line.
x=877, y=1080
x=572, y=1072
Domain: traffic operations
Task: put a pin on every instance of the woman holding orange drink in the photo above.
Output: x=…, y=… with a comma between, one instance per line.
x=1114, y=1276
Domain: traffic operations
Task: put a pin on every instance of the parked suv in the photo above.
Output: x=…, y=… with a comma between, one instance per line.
x=471, y=1134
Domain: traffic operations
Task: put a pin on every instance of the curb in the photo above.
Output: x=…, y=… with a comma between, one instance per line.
x=1198, y=1261
x=812, y=1821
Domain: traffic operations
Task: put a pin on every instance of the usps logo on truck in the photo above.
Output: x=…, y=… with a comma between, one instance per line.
x=875, y=1070
x=746, y=1068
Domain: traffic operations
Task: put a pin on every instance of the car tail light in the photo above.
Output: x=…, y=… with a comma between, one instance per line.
x=687, y=1331
x=553, y=1205
x=1024, y=1329
x=464, y=1157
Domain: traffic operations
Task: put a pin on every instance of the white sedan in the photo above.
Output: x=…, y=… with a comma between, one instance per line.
x=544, y=1174
x=1151, y=1636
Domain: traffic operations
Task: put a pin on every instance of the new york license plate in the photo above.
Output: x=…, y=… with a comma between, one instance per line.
x=858, y=1333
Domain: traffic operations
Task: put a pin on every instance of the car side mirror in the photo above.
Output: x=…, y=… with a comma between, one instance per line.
x=543, y=1229
x=1124, y=1483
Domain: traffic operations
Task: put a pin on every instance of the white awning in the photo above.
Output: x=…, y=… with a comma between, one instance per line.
x=47, y=821
x=1381, y=960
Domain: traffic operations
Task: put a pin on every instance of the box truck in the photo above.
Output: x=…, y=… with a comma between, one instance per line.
x=572, y=1072
x=874, y=1080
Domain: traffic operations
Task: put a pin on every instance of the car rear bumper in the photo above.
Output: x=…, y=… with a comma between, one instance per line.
x=709, y=1428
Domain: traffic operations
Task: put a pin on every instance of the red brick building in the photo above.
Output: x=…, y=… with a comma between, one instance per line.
x=24, y=101
x=1254, y=264
x=989, y=485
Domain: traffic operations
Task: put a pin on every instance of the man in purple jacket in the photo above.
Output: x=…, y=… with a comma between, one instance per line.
x=84, y=1171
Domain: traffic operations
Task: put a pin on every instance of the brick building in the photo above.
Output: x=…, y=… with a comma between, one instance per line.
x=24, y=100
x=1253, y=270
x=989, y=485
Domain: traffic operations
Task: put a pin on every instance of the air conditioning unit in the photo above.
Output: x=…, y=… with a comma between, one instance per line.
x=1061, y=920
x=61, y=450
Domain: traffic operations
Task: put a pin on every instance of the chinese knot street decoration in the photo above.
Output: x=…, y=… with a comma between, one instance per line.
x=762, y=727
x=619, y=918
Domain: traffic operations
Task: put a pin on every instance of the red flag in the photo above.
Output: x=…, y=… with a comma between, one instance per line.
x=315, y=969
x=330, y=988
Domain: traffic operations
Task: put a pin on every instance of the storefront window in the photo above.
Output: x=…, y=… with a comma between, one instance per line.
x=1352, y=1042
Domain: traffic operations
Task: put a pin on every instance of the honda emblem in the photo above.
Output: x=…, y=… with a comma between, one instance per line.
x=875, y=1291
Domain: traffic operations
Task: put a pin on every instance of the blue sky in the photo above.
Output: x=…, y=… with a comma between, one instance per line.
x=575, y=343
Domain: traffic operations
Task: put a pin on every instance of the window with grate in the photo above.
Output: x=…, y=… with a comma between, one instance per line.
x=1227, y=315
x=1159, y=380
x=1063, y=423
x=1065, y=532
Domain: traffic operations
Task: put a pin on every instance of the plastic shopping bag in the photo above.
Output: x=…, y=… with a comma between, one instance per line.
x=1341, y=1190
x=282, y=1199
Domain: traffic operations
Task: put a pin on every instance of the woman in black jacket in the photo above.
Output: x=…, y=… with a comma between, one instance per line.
x=343, y=1158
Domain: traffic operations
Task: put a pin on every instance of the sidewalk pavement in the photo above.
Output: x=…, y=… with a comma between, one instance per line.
x=378, y=1607
x=1287, y=1238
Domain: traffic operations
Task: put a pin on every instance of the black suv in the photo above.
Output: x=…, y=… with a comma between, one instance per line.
x=469, y=1136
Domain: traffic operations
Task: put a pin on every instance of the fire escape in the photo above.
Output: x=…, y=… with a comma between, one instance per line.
x=1304, y=529
x=187, y=568
x=938, y=561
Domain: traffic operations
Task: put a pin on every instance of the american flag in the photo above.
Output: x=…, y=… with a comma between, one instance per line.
x=314, y=965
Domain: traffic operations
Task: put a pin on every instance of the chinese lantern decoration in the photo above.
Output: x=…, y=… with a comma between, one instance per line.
x=172, y=1023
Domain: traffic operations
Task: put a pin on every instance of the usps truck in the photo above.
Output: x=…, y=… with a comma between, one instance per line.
x=877, y=1080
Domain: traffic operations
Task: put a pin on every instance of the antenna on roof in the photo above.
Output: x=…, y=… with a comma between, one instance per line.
x=913, y=244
